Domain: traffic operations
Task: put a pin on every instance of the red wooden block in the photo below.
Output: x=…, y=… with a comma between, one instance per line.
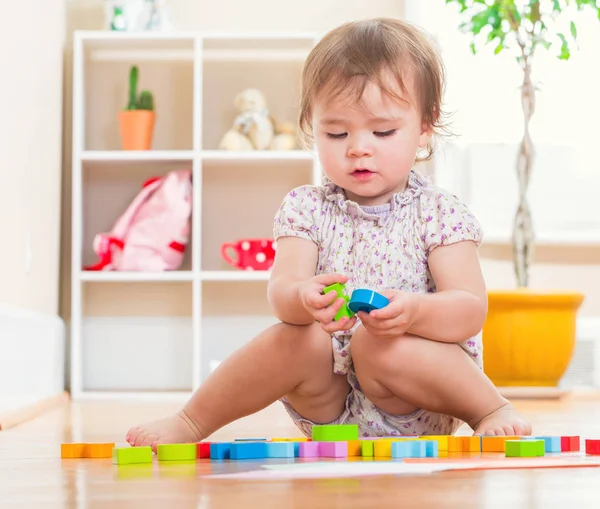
x=569, y=444
x=203, y=450
x=592, y=447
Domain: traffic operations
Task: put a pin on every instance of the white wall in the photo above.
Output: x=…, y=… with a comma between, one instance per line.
x=30, y=153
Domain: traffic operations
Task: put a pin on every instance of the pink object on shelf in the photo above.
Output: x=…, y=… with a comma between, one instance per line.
x=333, y=449
x=308, y=449
x=152, y=234
x=250, y=254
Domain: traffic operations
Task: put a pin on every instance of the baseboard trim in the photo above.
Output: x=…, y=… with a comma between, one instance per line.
x=18, y=416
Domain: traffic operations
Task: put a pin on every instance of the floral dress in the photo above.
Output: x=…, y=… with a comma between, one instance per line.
x=379, y=247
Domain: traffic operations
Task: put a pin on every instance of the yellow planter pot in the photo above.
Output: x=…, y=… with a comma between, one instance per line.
x=529, y=336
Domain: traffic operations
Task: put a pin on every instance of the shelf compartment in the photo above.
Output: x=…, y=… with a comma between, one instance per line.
x=108, y=189
x=257, y=48
x=121, y=322
x=244, y=210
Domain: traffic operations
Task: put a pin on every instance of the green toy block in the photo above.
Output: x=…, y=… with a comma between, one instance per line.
x=524, y=448
x=176, y=452
x=334, y=433
x=131, y=455
x=344, y=310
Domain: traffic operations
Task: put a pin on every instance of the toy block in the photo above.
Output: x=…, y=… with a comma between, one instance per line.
x=592, y=447
x=491, y=443
x=471, y=444
x=344, y=310
x=220, y=450
x=250, y=440
x=282, y=449
x=176, y=452
x=354, y=448
x=524, y=448
x=248, y=451
x=570, y=444
x=442, y=440
x=308, y=450
x=333, y=450
x=409, y=449
x=203, y=450
x=335, y=433
x=72, y=450
x=99, y=450
x=431, y=448
x=552, y=444
x=131, y=455
x=367, y=448
x=366, y=300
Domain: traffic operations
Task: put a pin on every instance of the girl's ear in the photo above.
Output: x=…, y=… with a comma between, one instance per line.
x=426, y=134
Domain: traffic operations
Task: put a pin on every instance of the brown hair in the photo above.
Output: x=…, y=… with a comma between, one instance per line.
x=359, y=52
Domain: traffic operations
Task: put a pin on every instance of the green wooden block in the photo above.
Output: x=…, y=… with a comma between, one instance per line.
x=524, y=448
x=176, y=452
x=335, y=433
x=367, y=448
x=131, y=455
x=344, y=310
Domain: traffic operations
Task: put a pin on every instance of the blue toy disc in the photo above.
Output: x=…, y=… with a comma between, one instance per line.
x=367, y=300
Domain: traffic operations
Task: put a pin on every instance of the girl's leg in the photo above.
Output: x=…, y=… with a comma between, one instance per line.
x=284, y=360
x=410, y=372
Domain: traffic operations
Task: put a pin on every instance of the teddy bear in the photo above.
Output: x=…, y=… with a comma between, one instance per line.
x=254, y=128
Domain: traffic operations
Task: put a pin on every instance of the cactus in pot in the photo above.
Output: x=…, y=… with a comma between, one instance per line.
x=137, y=120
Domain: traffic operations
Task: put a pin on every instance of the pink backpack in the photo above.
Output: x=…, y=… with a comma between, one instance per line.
x=153, y=232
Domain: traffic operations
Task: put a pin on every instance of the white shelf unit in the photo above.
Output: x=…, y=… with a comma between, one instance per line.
x=157, y=335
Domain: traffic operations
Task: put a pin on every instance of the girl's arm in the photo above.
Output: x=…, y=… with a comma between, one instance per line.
x=458, y=310
x=295, y=262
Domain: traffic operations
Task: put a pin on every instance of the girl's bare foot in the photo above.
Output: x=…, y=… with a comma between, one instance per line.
x=503, y=421
x=178, y=429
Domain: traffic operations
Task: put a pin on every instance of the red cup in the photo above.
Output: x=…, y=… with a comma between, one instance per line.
x=250, y=254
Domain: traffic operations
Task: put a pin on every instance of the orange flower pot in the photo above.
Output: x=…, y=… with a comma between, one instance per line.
x=529, y=336
x=137, y=129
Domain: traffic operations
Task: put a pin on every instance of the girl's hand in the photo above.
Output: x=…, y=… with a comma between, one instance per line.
x=324, y=306
x=395, y=319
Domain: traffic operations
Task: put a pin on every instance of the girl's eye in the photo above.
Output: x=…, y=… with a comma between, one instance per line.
x=384, y=134
x=336, y=136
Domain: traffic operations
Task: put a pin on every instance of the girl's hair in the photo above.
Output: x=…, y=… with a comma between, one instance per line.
x=347, y=58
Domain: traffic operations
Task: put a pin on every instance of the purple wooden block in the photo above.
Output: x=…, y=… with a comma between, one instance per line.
x=308, y=449
x=334, y=450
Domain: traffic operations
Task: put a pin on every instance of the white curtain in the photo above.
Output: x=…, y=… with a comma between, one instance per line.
x=483, y=94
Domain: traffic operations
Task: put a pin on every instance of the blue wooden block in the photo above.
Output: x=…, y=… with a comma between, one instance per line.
x=220, y=450
x=250, y=440
x=420, y=449
x=411, y=449
x=282, y=449
x=431, y=448
x=366, y=300
x=249, y=450
x=551, y=444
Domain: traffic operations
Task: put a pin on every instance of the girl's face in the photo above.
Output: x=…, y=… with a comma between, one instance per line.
x=369, y=149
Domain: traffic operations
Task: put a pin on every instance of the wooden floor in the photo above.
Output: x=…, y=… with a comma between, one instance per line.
x=32, y=473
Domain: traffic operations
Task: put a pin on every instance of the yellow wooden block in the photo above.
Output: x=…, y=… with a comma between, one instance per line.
x=442, y=441
x=354, y=448
x=495, y=443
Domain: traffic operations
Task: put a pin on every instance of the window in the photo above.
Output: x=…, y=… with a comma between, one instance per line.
x=483, y=92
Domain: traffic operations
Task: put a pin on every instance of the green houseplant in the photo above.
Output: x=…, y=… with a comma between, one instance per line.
x=136, y=121
x=529, y=336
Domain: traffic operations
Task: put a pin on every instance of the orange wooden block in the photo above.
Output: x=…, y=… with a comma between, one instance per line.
x=354, y=448
x=495, y=443
x=99, y=450
x=72, y=450
x=464, y=444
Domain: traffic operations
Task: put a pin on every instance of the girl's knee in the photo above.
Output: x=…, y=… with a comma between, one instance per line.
x=306, y=340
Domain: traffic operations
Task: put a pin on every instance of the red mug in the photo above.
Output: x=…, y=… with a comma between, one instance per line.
x=250, y=254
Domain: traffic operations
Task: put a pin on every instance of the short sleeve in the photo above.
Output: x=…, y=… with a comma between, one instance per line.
x=296, y=216
x=448, y=220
